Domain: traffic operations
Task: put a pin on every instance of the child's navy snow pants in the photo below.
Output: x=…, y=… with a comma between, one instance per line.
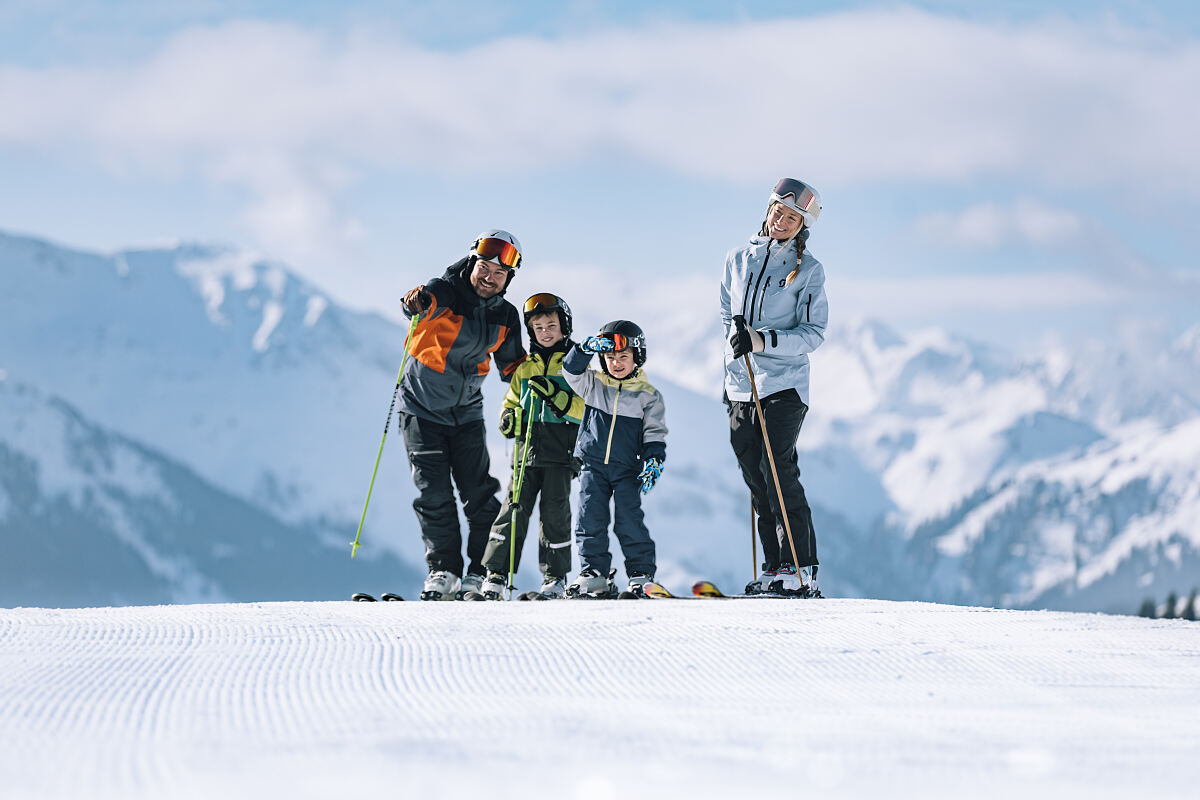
x=599, y=484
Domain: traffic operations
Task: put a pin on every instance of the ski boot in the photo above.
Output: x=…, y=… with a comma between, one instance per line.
x=590, y=584
x=762, y=584
x=790, y=582
x=635, y=590
x=493, y=588
x=553, y=588
x=471, y=582
x=440, y=585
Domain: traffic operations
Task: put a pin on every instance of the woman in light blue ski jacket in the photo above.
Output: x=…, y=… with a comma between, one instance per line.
x=774, y=310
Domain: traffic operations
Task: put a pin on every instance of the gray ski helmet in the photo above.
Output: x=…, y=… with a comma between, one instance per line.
x=634, y=339
x=544, y=303
x=799, y=197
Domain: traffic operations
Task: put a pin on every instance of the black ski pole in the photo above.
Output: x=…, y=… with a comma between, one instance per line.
x=753, y=541
x=403, y=359
x=518, y=485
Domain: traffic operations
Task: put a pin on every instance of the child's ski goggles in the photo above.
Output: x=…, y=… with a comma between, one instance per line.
x=499, y=251
x=544, y=302
x=622, y=342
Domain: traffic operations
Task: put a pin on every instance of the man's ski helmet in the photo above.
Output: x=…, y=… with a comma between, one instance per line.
x=626, y=336
x=499, y=246
x=799, y=197
x=544, y=303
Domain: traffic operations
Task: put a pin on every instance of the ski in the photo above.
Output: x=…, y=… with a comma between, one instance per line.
x=536, y=596
x=362, y=597
x=708, y=589
x=656, y=591
x=391, y=597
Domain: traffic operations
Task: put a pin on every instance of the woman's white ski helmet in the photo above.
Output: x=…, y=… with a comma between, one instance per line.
x=499, y=246
x=799, y=197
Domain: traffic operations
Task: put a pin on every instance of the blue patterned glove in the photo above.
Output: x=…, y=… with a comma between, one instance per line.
x=650, y=474
x=596, y=344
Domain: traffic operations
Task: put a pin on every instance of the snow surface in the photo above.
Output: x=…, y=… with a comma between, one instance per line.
x=836, y=698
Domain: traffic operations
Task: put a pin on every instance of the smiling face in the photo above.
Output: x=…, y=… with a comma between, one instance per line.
x=488, y=278
x=782, y=222
x=546, y=329
x=620, y=364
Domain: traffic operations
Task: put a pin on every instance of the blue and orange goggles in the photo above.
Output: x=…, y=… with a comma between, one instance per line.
x=622, y=342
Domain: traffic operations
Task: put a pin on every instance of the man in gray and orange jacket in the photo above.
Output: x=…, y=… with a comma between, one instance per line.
x=463, y=321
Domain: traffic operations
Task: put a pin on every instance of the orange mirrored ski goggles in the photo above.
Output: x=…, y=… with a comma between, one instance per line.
x=543, y=300
x=622, y=342
x=499, y=251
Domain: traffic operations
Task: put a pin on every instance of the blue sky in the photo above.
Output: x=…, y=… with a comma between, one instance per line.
x=1006, y=170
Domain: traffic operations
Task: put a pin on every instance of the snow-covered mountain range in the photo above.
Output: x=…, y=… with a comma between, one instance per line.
x=199, y=423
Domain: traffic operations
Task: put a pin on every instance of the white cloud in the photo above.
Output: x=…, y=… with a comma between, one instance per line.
x=990, y=224
x=933, y=295
x=857, y=95
x=292, y=115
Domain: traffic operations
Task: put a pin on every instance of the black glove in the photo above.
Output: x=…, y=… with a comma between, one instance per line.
x=418, y=300
x=510, y=423
x=558, y=398
x=744, y=340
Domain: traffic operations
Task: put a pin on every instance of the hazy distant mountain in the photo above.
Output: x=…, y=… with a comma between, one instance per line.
x=88, y=517
x=938, y=468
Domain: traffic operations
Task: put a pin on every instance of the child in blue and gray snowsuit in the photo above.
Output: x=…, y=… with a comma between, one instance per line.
x=622, y=443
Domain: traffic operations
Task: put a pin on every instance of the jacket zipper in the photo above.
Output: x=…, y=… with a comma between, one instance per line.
x=612, y=425
x=766, y=260
x=763, y=299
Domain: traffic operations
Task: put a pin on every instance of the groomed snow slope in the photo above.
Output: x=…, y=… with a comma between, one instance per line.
x=570, y=699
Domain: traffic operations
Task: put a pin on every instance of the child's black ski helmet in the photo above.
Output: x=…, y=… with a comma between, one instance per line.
x=544, y=303
x=632, y=337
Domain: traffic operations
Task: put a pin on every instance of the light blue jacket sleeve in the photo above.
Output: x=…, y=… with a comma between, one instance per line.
x=726, y=294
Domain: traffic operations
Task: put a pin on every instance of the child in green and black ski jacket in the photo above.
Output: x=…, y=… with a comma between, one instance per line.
x=541, y=414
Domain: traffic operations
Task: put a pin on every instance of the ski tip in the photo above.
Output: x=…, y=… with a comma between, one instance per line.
x=391, y=597
x=706, y=589
x=362, y=597
x=657, y=590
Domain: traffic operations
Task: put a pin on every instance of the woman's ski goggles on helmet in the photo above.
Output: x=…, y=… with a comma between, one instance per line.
x=543, y=301
x=499, y=251
x=798, y=196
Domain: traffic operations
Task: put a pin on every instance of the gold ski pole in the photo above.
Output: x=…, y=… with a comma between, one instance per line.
x=787, y=526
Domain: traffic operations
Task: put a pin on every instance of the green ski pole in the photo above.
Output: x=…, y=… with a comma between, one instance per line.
x=403, y=360
x=516, y=502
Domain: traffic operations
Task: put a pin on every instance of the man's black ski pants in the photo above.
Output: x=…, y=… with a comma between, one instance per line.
x=437, y=453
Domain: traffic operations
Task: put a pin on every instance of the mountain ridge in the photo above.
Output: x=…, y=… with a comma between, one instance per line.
x=270, y=391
